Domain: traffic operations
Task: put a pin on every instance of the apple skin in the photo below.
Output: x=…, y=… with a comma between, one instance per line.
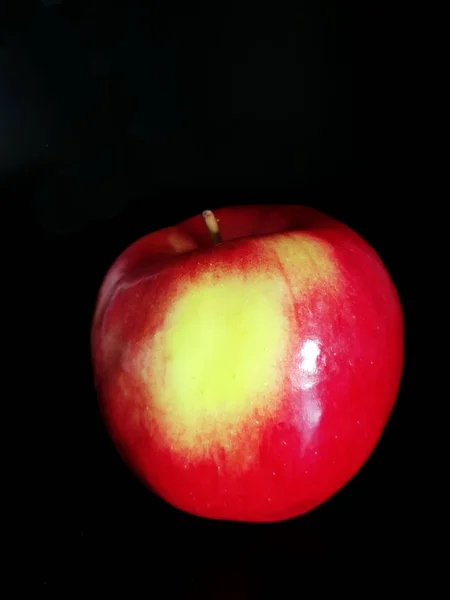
x=250, y=380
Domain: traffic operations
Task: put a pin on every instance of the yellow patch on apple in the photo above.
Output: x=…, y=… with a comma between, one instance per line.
x=307, y=261
x=217, y=364
x=181, y=242
x=217, y=361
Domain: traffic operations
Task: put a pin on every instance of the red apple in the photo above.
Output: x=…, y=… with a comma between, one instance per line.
x=248, y=379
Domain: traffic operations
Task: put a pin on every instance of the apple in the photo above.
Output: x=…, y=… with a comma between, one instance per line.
x=247, y=360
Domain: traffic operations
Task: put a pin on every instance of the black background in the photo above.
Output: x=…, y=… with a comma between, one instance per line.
x=118, y=120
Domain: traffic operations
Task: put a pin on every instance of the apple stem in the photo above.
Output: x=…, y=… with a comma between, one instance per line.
x=213, y=227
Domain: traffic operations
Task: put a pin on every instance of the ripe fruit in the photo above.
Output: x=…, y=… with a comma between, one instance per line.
x=250, y=378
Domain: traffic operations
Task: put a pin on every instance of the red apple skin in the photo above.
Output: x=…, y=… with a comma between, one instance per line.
x=329, y=414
